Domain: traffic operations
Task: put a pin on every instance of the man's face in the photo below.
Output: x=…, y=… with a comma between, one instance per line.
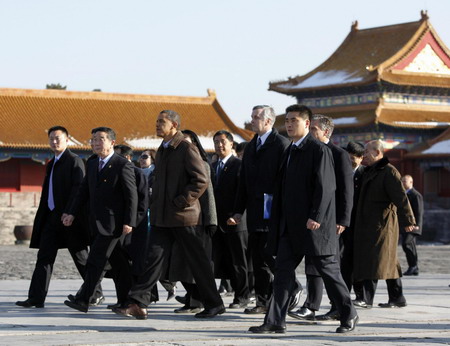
x=317, y=132
x=102, y=145
x=223, y=146
x=145, y=160
x=164, y=126
x=259, y=124
x=371, y=155
x=296, y=126
x=58, y=141
x=355, y=160
x=407, y=182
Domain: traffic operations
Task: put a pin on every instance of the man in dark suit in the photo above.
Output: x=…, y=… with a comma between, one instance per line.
x=63, y=177
x=110, y=189
x=229, y=242
x=322, y=128
x=409, y=238
x=180, y=180
x=260, y=162
x=304, y=223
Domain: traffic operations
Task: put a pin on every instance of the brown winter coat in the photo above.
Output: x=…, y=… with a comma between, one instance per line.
x=180, y=180
x=382, y=197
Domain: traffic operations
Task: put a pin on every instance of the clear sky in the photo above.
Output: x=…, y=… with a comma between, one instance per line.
x=235, y=47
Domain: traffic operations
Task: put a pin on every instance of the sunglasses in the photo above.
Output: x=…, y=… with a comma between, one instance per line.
x=144, y=157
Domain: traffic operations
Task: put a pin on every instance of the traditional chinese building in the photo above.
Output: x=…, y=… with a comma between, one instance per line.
x=390, y=83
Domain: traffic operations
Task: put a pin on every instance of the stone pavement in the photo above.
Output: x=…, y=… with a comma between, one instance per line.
x=425, y=321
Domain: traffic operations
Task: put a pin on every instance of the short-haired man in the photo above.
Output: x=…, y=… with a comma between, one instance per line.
x=109, y=188
x=304, y=223
x=64, y=174
x=260, y=164
x=230, y=242
x=180, y=180
x=409, y=238
x=382, y=205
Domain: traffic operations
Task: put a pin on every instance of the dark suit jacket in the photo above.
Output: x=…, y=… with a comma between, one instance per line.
x=225, y=190
x=258, y=174
x=67, y=176
x=344, y=184
x=416, y=201
x=305, y=190
x=111, y=194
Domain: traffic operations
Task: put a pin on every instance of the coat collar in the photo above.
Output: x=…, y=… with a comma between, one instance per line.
x=380, y=164
x=176, y=140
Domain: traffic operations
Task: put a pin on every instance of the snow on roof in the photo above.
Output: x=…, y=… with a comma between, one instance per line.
x=324, y=78
x=423, y=123
x=345, y=121
x=439, y=148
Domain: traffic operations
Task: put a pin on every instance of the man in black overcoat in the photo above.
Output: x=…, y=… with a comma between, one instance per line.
x=304, y=223
x=64, y=174
x=110, y=189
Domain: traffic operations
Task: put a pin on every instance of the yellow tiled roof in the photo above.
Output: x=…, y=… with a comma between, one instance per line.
x=25, y=115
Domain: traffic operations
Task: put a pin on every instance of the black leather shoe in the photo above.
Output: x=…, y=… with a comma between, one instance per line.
x=348, y=326
x=392, y=305
x=303, y=314
x=238, y=305
x=256, y=310
x=77, y=305
x=361, y=304
x=114, y=306
x=29, y=304
x=267, y=329
x=181, y=299
x=412, y=271
x=295, y=299
x=187, y=310
x=210, y=313
x=332, y=315
x=93, y=302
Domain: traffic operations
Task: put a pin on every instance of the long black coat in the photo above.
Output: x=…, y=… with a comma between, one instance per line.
x=258, y=175
x=67, y=176
x=111, y=194
x=305, y=190
x=416, y=201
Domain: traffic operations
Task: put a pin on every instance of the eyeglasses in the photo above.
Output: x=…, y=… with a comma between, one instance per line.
x=144, y=157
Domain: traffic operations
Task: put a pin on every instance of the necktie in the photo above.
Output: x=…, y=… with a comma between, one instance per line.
x=219, y=170
x=100, y=165
x=293, y=147
x=50, y=200
x=258, y=144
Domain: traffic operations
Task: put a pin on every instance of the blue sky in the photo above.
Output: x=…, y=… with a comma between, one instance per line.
x=185, y=47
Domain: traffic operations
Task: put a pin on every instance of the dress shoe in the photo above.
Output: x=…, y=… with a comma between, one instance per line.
x=295, y=299
x=77, y=305
x=94, y=301
x=412, y=271
x=181, y=299
x=238, y=305
x=171, y=294
x=29, y=304
x=114, y=306
x=332, y=315
x=256, y=310
x=303, y=314
x=210, y=313
x=392, y=305
x=361, y=304
x=133, y=310
x=348, y=326
x=267, y=329
x=187, y=310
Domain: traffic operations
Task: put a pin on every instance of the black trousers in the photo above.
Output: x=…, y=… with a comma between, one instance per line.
x=394, y=288
x=410, y=249
x=285, y=283
x=160, y=245
x=48, y=250
x=263, y=267
x=229, y=252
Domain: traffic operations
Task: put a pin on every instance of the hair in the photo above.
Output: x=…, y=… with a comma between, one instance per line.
x=355, y=148
x=304, y=112
x=109, y=132
x=57, y=128
x=123, y=150
x=227, y=134
x=325, y=123
x=172, y=116
x=241, y=146
x=267, y=113
x=377, y=144
x=196, y=141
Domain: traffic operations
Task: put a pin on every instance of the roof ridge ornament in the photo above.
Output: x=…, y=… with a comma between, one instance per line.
x=424, y=15
x=354, y=26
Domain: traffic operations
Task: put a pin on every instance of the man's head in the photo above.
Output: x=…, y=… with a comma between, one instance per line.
x=263, y=118
x=373, y=152
x=355, y=151
x=124, y=151
x=223, y=143
x=103, y=140
x=145, y=159
x=322, y=127
x=167, y=124
x=297, y=121
x=407, y=182
x=58, y=139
